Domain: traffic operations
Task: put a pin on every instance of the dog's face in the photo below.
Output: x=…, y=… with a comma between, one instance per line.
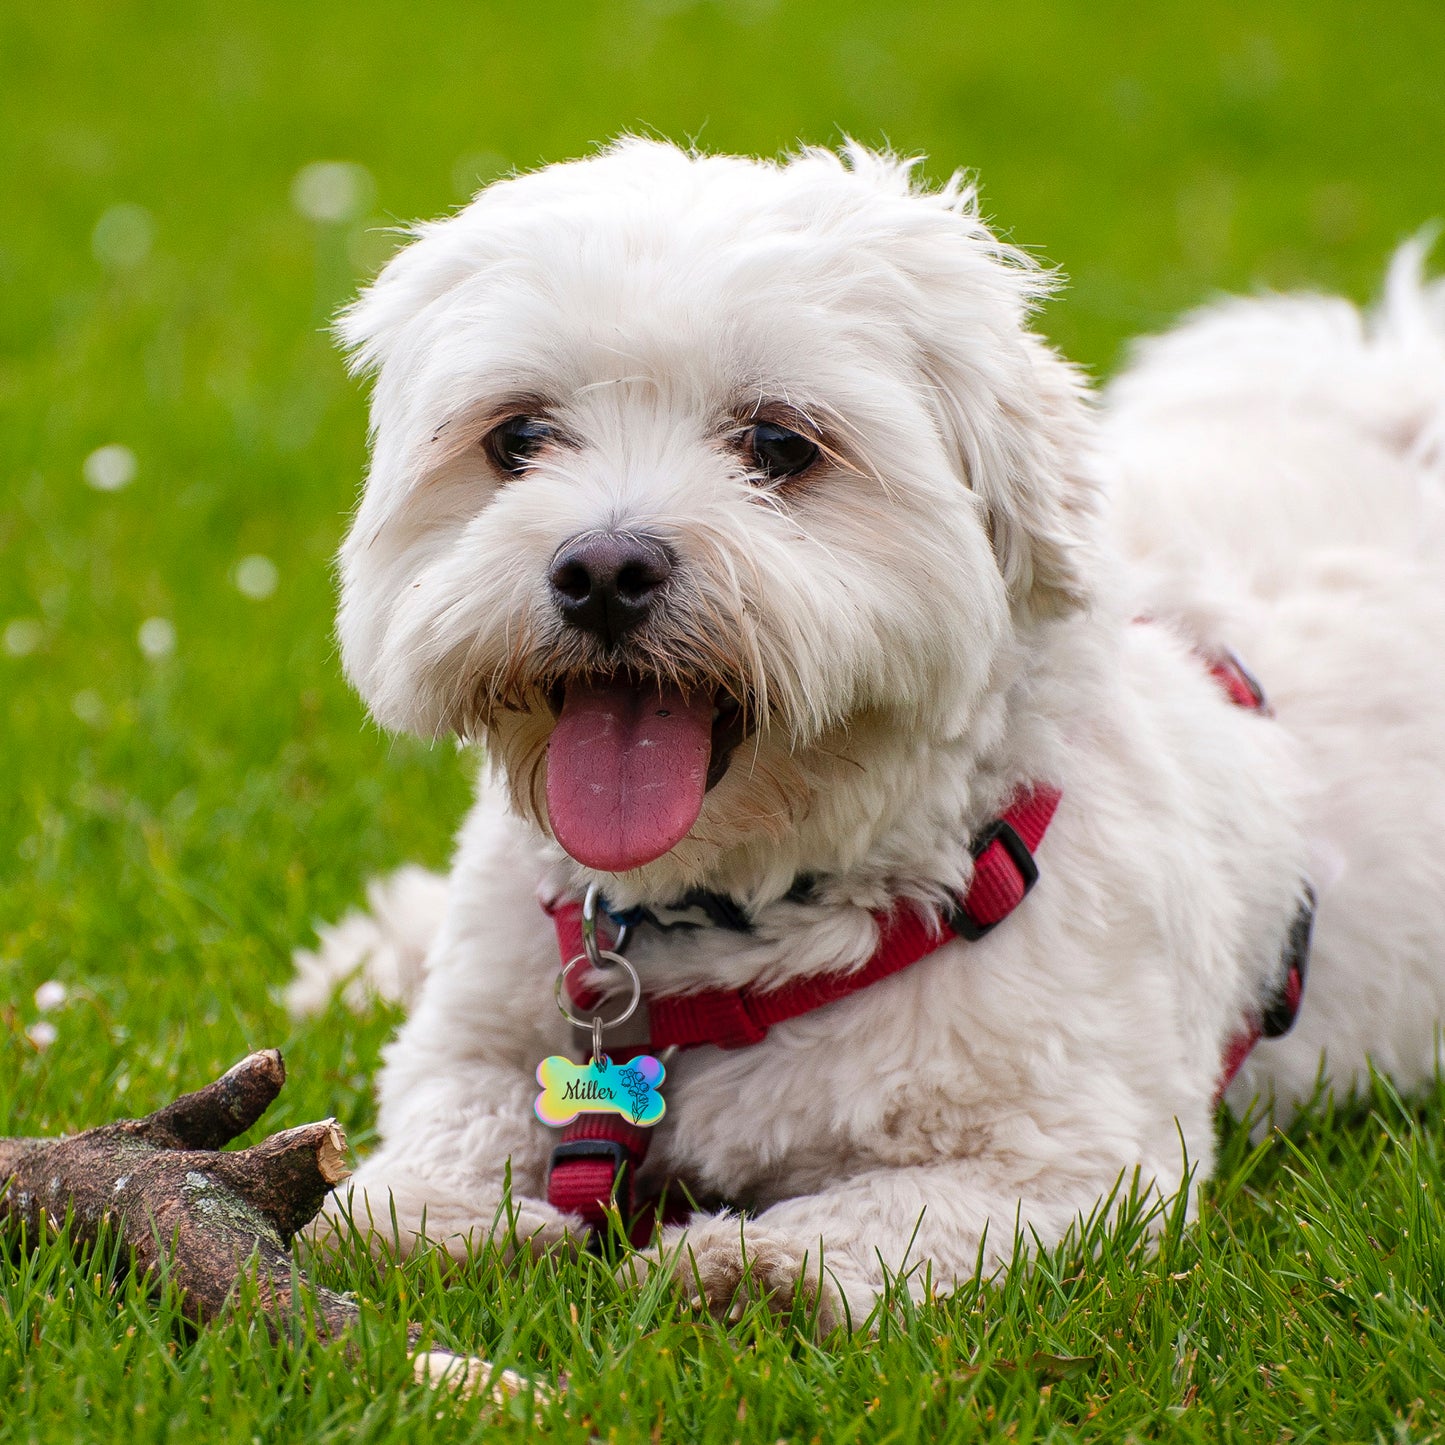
x=690, y=475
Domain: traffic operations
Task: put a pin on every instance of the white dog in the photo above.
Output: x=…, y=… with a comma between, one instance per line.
x=739, y=513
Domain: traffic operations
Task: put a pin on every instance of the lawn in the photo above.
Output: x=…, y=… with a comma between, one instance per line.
x=189, y=785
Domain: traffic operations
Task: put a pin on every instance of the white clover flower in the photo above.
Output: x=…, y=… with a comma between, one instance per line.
x=109, y=468
x=42, y=1034
x=122, y=237
x=23, y=636
x=256, y=577
x=51, y=994
x=330, y=192
x=157, y=637
x=89, y=707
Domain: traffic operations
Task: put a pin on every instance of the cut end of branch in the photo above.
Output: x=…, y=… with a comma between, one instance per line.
x=472, y=1377
x=288, y=1175
x=331, y=1155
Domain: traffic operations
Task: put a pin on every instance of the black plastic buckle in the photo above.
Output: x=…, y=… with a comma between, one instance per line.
x=999, y=831
x=591, y=1149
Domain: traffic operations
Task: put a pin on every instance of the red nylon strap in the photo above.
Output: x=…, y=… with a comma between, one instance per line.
x=1238, y=682
x=735, y=1018
x=585, y=1184
x=998, y=886
x=1243, y=691
x=1240, y=685
x=583, y=1187
x=1236, y=1051
x=1241, y=1045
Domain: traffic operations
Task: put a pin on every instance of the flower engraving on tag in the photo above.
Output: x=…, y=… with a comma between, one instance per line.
x=632, y=1089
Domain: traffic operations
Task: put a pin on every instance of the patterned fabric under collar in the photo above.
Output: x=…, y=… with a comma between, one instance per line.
x=700, y=908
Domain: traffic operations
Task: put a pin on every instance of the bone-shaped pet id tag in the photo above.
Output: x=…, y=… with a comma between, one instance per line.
x=632, y=1089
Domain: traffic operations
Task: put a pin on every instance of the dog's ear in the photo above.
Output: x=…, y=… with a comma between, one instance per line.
x=418, y=275
x=1019, y=439
x=1012, y=413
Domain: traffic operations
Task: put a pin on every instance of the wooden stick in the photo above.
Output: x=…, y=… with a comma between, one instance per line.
x=207, y=1216
x=162, y=1184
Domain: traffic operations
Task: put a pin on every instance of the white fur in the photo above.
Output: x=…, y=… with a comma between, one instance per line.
x=945, y=615
x=376, y=954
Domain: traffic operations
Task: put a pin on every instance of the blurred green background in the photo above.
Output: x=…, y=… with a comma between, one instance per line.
x=189, y=193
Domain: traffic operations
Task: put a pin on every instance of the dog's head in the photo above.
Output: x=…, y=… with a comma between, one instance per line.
x=689, y=472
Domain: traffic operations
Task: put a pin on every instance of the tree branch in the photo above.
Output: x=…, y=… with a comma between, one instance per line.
x=208, y=1217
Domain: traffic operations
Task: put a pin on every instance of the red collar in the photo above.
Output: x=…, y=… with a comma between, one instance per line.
x=594, y=1164
x=732, y=1018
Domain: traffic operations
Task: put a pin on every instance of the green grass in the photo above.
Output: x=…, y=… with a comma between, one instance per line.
x=171, y=827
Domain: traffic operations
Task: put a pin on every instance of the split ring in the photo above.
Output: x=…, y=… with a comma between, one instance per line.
x=596, y=954
x=615, y=960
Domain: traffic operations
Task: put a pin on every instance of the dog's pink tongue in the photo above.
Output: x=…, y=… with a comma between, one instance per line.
x=626, y=771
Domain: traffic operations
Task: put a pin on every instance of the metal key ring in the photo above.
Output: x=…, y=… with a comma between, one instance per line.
x=615, y=959
x=595, y=954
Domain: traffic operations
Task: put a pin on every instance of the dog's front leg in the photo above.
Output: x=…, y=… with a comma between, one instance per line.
x=925, y=1225
x=462, y=1157
x=463, y=1161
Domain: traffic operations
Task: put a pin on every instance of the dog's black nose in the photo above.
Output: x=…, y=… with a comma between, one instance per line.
x=607, y=582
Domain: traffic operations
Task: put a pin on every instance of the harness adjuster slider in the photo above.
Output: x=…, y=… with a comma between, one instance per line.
x=1002, y=832
x=609, y=1149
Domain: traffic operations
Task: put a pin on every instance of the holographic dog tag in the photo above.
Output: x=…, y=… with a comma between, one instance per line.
x=632, y=1089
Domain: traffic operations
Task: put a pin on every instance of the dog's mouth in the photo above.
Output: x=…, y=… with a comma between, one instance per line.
x=629, y=763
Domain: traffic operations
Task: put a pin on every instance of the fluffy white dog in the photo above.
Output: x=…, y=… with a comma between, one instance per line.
x=735, y=508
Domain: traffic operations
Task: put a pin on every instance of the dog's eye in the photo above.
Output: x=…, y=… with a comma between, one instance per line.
x=777, y=452
x=514, y=443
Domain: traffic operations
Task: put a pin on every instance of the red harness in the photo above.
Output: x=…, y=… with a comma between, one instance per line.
x=600, y=1153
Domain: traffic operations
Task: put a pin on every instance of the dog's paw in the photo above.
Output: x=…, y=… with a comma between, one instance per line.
x=401, y=1222
x=723, y=1266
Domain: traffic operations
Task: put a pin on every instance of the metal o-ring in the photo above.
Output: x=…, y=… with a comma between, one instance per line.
x=615, y=959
